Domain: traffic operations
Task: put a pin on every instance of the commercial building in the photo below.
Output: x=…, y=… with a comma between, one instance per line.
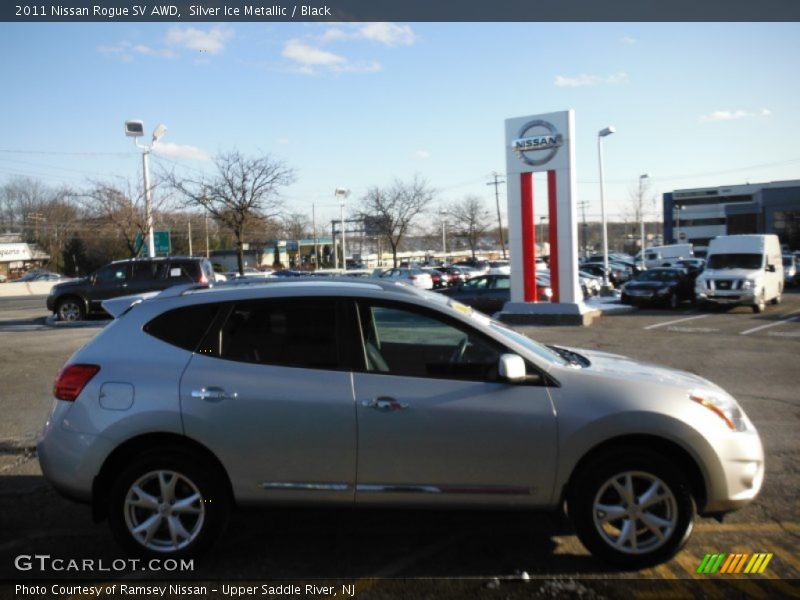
x=699, y=215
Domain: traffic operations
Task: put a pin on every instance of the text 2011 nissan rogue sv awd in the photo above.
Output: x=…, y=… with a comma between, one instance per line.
x=376, y=394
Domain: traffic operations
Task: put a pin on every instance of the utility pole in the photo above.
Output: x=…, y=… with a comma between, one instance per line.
x=496, y=183
x=208, y=253
x=37, y=218
x=582, y=205
x=314, y=233
x=641, y=211
x=190, y=235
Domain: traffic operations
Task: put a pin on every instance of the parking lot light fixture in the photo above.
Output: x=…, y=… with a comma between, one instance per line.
x=342, y=194
x=135, y=129
x=606, y=289
x=641, y=212
x=443, y=214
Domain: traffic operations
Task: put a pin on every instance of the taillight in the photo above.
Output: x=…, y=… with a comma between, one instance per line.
x=71, y=381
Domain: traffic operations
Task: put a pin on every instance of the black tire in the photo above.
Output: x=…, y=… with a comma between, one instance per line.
x=761, y=305
x=71, y=308
x=777, y=299
x=192, y=469
x=673, y=301
x=593, y=478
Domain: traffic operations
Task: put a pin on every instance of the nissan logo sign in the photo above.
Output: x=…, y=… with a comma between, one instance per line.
x=537, y=143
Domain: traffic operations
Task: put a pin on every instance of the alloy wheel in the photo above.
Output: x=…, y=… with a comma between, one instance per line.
x=635, y=512
x=164, y=511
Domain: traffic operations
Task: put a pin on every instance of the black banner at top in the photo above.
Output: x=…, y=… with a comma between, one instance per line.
x=400, y=10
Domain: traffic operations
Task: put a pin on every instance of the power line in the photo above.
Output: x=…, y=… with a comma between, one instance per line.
x=54, y=153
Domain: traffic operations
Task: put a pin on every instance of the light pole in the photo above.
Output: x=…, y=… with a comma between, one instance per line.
x=496, y=183
x=342, y=194
x=443, y=214
x=641, y=211
x=542, y=219
x=135, y=129
x=600, y=135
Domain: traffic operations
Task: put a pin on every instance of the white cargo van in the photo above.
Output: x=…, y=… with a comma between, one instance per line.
x=742, y=269
x=665, y=256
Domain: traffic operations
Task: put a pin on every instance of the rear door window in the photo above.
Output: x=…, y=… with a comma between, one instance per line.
x=291, y=332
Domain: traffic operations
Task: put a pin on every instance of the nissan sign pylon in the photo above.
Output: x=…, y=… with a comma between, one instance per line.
x=543, y=144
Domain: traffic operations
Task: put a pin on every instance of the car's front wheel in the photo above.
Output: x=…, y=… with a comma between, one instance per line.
x=168, y=502
x=71, y=309
x=632, y=509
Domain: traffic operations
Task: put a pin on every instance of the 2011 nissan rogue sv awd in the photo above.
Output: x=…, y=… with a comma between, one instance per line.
x=376, y=394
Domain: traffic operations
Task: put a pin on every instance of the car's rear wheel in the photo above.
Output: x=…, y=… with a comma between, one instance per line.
x=71, y=309
x=168, y=502
x=632, y=509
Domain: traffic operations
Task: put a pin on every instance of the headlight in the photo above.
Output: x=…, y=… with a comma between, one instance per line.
x=723, y=406
x=748, y=284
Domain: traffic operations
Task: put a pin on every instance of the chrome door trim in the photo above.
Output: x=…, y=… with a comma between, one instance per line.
x=444, y=489
x=305, y=486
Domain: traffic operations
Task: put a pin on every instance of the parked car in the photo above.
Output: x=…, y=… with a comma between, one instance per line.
x=481, y=267
x=439, y=279
x=499, y=267
x=415, y=277
x=617, y=273
x=666, y=286
x=666, y=256
x=369, y=394
x=590, y=284
x=488, y=293
x=742, y=269
x=75, y=300
x=790, y=272
x=43, y=276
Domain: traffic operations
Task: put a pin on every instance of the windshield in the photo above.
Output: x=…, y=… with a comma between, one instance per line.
x=735, y=261
x=657, y=276
x=538, y=349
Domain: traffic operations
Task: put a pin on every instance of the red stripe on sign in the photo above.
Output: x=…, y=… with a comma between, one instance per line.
x=528, y=238
x=552, y=205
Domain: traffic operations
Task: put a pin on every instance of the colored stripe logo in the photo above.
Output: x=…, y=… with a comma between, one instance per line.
x=729, y=564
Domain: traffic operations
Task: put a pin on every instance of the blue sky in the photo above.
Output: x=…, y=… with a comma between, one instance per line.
x=356, y=105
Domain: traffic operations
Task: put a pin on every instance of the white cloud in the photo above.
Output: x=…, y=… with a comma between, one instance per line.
x=389, y=34
x=309, y=56
x=733, y=115
x=179, y=151
x=422, y=154
x=310, y=59
x=211, y=41
x=584, y=80
x=125, y=50
x=628, y=40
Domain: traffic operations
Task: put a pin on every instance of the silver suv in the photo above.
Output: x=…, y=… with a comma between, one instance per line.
x=377, y=394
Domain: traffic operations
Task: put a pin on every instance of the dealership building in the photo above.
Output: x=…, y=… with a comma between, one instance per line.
x=699, y=215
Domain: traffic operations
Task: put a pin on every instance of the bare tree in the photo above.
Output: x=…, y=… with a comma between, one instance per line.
x=296, y=226
x=244, y=191
x=121, y=209
x=391, y=211
x=471, y=219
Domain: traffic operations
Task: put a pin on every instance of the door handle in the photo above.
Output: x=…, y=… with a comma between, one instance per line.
x=213, y=393
x=385, y=404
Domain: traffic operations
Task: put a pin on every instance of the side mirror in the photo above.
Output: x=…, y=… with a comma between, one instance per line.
x=512, y=368
x=770, y=268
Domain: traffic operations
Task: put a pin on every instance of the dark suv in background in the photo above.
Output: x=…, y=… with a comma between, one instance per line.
x=74, y=300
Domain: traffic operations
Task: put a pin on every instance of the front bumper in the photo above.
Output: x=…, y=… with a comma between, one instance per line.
x=725, y=297
x=737, y=473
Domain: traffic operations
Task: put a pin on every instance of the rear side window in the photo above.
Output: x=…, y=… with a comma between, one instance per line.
x=185, y=269
x=145, y=271
x=183, y=327
x=282, y=332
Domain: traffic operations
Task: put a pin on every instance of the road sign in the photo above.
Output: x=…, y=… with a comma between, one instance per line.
x=161, y=241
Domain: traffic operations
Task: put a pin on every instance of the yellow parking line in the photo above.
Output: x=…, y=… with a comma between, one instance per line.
x=748, y=527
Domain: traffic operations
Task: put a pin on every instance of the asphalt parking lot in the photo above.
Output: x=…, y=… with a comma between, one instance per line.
x=450, y=554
